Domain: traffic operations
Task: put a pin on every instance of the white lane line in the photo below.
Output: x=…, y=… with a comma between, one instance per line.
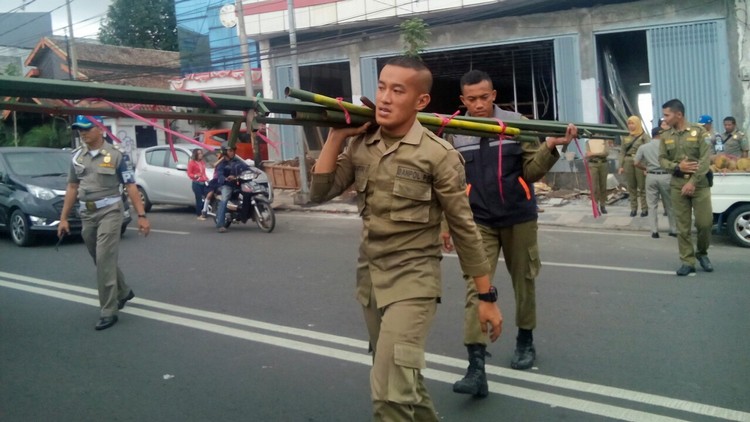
x=605, y=232
x=591, y=267
x=135, y=229
x=613, y=392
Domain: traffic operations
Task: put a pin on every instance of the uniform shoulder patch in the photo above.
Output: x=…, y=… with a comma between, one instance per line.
x=445, y=144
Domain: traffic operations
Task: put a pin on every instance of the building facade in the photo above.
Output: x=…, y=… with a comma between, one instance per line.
x=569, y=60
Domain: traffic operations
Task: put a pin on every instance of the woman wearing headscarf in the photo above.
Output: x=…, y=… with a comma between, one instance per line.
x=634, y=177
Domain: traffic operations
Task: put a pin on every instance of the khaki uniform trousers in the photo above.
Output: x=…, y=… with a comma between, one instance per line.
x=657, y=186
x=636, y=183
x=599, y=171
x=101, y=234
x=521, y=252
x=398, y=334
x=684, y=207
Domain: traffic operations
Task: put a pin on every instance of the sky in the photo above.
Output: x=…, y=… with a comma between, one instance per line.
x=87, y=14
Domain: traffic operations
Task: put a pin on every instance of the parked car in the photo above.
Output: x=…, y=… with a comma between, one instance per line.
x=162, y=180
x=32, y=191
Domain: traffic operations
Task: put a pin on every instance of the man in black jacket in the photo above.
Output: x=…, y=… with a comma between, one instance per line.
x=506, y=214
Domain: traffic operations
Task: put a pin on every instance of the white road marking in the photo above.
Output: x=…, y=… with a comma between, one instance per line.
x=604, y=231
x=591, y=267
x=135, y=229
x=551, y=399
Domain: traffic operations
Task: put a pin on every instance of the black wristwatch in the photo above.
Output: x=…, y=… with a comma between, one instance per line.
x=141, y=215
x=490, y=296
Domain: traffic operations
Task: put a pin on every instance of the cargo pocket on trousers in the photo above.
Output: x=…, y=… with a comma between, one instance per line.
x=535, y=264
x=404, y=376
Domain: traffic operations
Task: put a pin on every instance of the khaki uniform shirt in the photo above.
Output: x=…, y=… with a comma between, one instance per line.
x=688, y=143
x=735, y=143
x=402, y=192
x=99, y=176
x=630, y=145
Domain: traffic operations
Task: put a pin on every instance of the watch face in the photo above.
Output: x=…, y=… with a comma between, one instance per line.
x=227, y=15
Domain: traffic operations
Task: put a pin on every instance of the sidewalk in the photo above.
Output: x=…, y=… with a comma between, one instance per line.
x=573, y=213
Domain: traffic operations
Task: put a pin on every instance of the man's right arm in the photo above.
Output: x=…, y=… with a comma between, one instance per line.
x=331, y=175
x=71, y=194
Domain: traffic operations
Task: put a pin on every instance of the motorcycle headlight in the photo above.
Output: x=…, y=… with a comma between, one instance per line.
x=40, y=192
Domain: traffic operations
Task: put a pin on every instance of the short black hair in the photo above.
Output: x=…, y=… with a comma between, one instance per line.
x=655, y=132
x=474, y=77
x=731, y=119
x=414, y=63
x=674, y=105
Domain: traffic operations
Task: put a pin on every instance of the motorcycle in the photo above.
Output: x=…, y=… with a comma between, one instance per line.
x=249, y=200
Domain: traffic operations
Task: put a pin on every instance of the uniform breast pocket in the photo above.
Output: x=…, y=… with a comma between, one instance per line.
x=411, y=201
x=106, y=171
x=360, y=185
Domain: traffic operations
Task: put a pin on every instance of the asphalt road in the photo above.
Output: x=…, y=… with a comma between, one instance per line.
x=264, y=327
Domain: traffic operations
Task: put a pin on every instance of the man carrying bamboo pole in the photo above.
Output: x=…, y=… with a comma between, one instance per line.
x=506, y=214
x=406, y=178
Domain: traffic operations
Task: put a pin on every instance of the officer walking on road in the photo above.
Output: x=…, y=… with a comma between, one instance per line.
x=506, y=216
x=405, y=178
x=685, y=154
x=96, y=173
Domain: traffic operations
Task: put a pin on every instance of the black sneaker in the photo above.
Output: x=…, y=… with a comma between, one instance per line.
x=633, y=213
x=705, y=264
x=654, y=235
x=673, y=234
x=685, y=270
x=524, y=356
x=644, y=213
x=603, y=209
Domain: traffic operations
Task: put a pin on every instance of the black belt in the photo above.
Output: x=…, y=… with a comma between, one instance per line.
x=657, y=172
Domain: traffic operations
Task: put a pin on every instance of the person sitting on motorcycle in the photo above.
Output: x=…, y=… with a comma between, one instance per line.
x=229, y=170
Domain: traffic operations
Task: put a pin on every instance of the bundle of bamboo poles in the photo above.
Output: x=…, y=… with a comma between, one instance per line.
x=333, y=115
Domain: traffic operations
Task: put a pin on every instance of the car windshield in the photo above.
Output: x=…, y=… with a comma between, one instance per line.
x=39, y=163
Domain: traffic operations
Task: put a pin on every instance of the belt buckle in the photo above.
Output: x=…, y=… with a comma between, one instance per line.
x=91, y=206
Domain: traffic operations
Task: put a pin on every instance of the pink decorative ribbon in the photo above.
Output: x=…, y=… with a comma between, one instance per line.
x=594, y=207
x=500, y=137
x=346, y=112
x=444, y=121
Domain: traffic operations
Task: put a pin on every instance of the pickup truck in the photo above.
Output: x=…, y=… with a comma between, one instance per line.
x=730, y=200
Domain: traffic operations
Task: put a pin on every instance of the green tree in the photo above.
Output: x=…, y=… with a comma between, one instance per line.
x=12, y=69
x=416, y=36
x=140, y=23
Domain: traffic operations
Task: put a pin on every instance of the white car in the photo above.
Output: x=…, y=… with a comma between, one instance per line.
x=162, y=180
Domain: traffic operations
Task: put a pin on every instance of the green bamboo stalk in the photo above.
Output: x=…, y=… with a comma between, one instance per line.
x=328, y=101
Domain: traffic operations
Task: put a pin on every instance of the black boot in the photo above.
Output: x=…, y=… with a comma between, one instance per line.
x=475, y=380
x=525, y=353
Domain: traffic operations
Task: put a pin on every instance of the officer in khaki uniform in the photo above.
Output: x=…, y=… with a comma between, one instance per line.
x=685, y=154
x=405, y=178
x=96, y=172
x=634, y=178
x=733, y=141
x=597, y=151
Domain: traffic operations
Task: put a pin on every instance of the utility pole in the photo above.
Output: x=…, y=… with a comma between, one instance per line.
x=303, y=196
x=71, y=45
x=247, y=71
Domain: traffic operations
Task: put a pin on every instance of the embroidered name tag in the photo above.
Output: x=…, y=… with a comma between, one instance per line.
x=413, y=174
x=669, y=141
x=690, y=139
x=107, y=165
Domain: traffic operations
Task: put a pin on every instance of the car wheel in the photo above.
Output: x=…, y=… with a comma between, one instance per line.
x=144, y=198
x=20, y=229
x=738, y=226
